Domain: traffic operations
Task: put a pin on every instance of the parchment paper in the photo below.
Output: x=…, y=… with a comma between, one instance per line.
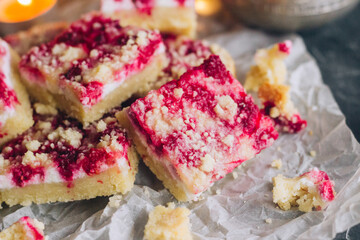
x=237, y=208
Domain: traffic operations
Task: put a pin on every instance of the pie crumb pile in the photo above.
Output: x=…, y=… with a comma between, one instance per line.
x=311, y=190
x=168, y=223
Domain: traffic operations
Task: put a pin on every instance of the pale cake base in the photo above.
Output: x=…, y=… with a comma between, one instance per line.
x=22, y=120
x=168, y=223
x=174, y=186
x=179, y=20
x=107, y=183
x=75, y=109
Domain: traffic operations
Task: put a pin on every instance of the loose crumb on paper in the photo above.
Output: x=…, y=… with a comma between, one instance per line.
x=268, y=221
x=313, y=153
x=115, y=201
x=311, y=133
x=277, y=163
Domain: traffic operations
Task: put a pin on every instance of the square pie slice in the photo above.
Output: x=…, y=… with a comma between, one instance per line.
x=59, y=160
x=169, y=16
x=184, y=53
x=93, y=66
x=24, y=229
x=15, y=109
x=193, y=131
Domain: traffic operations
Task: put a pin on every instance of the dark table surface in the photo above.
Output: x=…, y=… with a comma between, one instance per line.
x=336, y=48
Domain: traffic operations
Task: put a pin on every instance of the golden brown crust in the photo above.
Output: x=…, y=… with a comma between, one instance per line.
x=275, y=93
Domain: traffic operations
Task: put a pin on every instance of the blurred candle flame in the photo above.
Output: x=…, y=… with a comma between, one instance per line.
x=12, y=11
x=25, y=2
x=207, y=7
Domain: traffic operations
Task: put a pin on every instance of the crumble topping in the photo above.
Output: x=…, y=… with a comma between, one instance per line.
x=33, y=145
x=60, y=143
x=91, y=53
x=182, y=54
x=311, y=190
x=208, y=131
x=226, y=108
x=101, y=126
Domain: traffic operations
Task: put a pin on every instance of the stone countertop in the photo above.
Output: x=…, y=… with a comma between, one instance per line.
x=336, y=48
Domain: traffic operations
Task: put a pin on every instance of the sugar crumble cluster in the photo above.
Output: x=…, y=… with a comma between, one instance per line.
x=311, y=190
x=267, y=78
x=184, y=53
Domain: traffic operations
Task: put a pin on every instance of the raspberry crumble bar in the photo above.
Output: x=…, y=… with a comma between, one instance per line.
x=24, y=229
x=59, y=160
x=15, y=109
x=169, y=16
x=168, y=223
x=267, y=78
x=183, y=53
x=93, y=66
x=193, y=131
x=312, y=190
x=22, y=41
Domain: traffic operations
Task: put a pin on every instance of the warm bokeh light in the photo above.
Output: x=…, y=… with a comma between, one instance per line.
x=207, y=7
x=12, y=11
x=25, y=2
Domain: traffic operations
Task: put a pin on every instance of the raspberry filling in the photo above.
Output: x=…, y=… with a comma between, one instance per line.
x=7, y=94
x=205, y=112
x=62, y=143
x=292, y=124
x=91, y=53
x=36, y=235
x=325, y=186
x=183, y=54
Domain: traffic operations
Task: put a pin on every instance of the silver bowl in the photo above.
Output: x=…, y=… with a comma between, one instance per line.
x=288, y=15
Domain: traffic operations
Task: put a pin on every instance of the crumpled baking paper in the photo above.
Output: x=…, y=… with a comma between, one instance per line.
x=236, y=208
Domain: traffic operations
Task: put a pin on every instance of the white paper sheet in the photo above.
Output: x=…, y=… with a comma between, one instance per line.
x=243, y=204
